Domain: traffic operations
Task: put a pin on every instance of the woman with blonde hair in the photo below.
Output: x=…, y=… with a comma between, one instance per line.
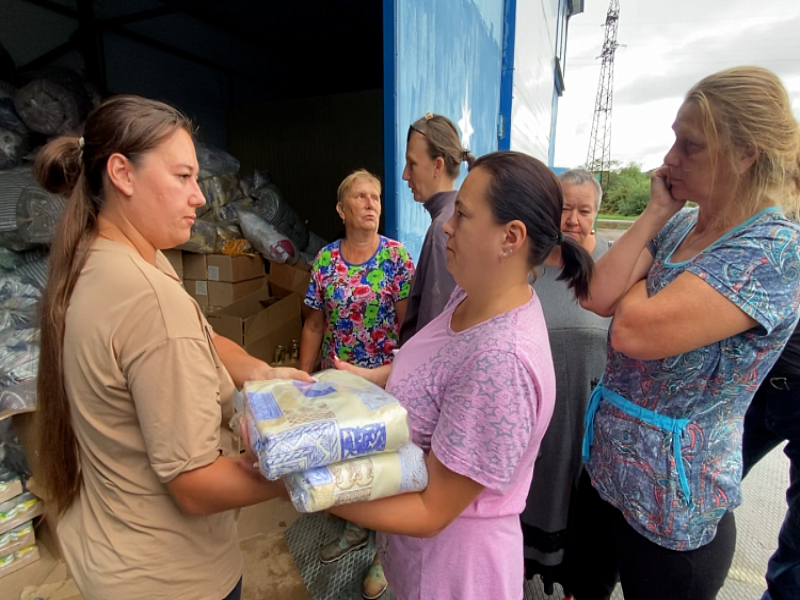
x=703, y=302
x=357, y=298
x=135, y=391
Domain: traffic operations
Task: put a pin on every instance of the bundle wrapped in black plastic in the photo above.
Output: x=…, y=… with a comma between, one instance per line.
x=12, y=182
x=54, y=102
x=271, y=206
x=13, y=261
x=38, y=214
x=12, y=457
x=13, y=148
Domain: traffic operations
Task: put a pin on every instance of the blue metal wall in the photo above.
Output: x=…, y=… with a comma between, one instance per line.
x=440, y=56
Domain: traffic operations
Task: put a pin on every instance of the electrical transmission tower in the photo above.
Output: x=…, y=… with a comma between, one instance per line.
x=598, y=159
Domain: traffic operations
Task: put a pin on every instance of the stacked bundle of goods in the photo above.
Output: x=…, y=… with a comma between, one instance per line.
x=339, y=440
x=246, y=214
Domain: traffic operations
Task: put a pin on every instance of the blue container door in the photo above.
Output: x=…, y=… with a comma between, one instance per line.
x=445, y=57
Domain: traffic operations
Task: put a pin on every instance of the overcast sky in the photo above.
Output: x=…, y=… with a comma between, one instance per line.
x=666, y=47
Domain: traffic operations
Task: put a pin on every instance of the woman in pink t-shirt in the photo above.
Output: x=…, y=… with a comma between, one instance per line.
x=479, y=387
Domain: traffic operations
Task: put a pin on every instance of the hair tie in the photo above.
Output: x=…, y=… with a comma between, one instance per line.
x=428, y=116
x=80, y=142
x=465, y=156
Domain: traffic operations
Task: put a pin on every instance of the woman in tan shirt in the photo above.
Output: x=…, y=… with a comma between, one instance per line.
x=135, y=390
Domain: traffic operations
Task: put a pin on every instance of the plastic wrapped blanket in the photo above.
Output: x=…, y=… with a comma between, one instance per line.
x=272, y=244
x=295, y=426
x=38, y=214
x=358, y=480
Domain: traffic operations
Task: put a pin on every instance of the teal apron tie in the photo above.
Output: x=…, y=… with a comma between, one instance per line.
x=674, y=426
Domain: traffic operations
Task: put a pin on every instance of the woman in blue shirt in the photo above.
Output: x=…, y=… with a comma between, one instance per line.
x=703, y=301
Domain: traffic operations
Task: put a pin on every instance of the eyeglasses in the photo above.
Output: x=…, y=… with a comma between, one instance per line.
x=412, y=129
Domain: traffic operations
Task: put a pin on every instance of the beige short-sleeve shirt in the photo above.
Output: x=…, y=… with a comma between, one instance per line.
x=150, y=399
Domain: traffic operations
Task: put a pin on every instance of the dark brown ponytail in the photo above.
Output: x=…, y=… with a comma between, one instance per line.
x=523, y=188
x=76, y=167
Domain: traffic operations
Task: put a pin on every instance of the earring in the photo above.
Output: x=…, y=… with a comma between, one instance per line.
x=505, y=255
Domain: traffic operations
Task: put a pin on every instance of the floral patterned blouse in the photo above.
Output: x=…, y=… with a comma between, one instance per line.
x=359, y=302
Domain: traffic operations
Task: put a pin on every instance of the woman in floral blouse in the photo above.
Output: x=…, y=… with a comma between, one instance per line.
x=358, y=295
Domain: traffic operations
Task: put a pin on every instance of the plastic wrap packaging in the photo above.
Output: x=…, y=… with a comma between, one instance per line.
x=34, y=272
x=271, y=206
x=12, y=457
x=9, y=119
x=13, y=148
x=55, y=102
x=213, y=161
x=358, y=480
x=38, y=214
x=295, y=426
x=12, y=182
x=11, y=261
x=220, y=191
x=18, y=303
x=18, y=508
x=272, y=244
x=210, y=238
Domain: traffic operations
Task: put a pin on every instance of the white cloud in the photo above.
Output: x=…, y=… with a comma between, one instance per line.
x=668, y=46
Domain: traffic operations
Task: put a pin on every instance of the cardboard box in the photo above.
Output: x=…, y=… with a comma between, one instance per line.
x=221, y=293
x=289, y=279
x=33, y=509
x=234, y=268
x=18, y=538
x=195, y=266
x=175, y=258
x=22, y=558
x=10, y=489
x=260, y=323
x=197, y=289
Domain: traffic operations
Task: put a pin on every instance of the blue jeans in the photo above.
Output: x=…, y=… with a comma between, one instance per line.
x=773, y=417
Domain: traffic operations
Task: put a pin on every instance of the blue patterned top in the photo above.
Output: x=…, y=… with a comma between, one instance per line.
x=632, y=464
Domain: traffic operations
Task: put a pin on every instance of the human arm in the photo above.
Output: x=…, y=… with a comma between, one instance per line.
x=225, y=484
x=628, y=260
x=421, y=514
x=379, y=375
x=243, y=367
x=685, y=315
x=311, y=340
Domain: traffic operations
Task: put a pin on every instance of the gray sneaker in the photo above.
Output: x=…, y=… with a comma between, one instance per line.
x=353, y=538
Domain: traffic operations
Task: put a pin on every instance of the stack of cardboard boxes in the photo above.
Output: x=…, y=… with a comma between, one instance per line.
x=260, y=313
x=18, y=509
x=216, y=280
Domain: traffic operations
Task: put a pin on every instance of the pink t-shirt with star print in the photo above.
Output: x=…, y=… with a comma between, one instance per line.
x=481, y=400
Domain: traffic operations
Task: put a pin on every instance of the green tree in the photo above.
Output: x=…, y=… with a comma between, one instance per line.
x=627, y=192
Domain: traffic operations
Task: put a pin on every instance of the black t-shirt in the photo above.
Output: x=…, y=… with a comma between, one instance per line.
x=789, y=361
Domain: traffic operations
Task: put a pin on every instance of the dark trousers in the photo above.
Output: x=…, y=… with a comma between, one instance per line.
x=606, y=549
x=236, y=593
x=773, y=417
